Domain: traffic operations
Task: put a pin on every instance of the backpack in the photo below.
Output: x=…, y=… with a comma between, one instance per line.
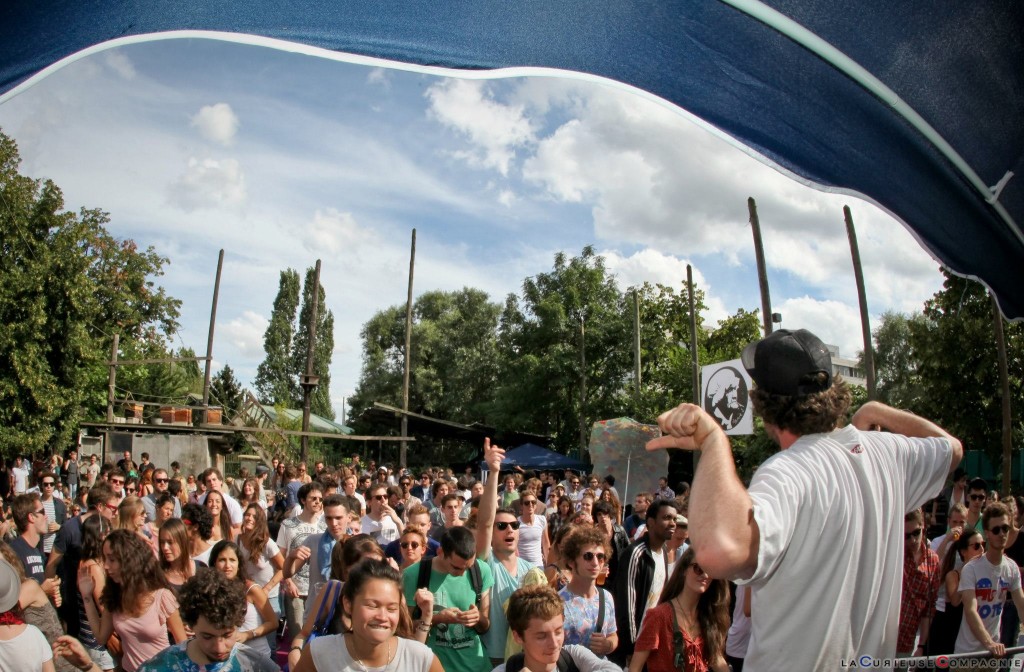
x=517, y=662
x=476, y=580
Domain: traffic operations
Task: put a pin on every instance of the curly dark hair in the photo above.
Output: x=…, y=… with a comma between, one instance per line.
x=199, y=518
x=581, y=537
x=140, y=573
x=211, y=594
x=712, y=606
x=815, y=413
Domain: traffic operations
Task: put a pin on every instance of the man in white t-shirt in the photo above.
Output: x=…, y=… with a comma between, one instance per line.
x=822, y=522
x=984, y=582
x=381, y=522
x=19, y=477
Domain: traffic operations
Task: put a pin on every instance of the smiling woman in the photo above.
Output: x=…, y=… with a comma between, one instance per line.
x=372, y=601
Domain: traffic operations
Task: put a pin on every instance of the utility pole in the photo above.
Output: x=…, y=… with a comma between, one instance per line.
x=310, y=380
x=865, y=322
x=209, y=340
x=403, y=450
x=762, y=272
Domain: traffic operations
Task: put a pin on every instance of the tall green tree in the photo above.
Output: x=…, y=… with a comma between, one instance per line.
x=66, y=287
x=275, y=380
x=226, y=391
x=323, y=348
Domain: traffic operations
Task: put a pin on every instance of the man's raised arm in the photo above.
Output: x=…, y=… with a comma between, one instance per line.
x=493, y=455
x=722, y=527
x=876, y=415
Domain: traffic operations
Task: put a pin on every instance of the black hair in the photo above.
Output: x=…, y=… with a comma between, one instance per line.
x=199, y=517
x=458, y=541
x=978, y=484
x=657, y=505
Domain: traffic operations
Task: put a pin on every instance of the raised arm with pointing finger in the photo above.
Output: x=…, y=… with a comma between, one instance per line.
x=493, y=455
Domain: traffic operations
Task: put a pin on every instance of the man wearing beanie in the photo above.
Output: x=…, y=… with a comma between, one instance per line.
x=819, y=534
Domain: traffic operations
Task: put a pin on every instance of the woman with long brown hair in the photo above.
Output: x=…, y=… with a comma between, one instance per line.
x=249, y=493
x=175, y=561
x=222, y=528
x=94, y=531
x=689, y=624
x=131, y=516
x=560, y=516
x=140, y=606
x=261, y=557
x=260, y=619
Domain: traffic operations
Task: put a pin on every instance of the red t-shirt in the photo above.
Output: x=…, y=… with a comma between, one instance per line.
x=656, y=636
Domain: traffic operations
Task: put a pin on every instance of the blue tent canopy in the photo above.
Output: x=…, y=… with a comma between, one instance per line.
x=916, y=106
x=530, y=456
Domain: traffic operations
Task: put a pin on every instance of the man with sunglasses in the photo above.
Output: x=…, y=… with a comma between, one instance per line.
x=977, y=494
x=116, y=478
x=824, y=508
x=381, y=521
x=497, y=544
x=293, y=532
x=161, y=484
x=56, y=510
x=921, y=576
x=984, y=584
x=316, y=548
x=589, y=609
x=30, y=519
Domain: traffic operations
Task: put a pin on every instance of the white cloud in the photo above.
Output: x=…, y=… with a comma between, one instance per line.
x=379, y=76
x=333, y=232
x=217, y=123
x=493, y=130
x=506, y=197
x=209, y=183
x=245, y=333
x=834, y=322
x=657, y=268
x=117, y=61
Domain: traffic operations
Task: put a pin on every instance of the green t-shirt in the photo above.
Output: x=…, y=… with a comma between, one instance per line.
x=457, y=647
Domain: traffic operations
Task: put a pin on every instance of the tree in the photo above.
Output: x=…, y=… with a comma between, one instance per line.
x=66, y=287
x=323, y=348
x=226, y=391
x=275, y=379
x=896, y=363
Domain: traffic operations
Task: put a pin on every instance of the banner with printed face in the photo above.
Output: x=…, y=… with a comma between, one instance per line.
x=725, y=396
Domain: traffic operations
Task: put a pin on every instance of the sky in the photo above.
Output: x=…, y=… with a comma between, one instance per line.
x=281, y=158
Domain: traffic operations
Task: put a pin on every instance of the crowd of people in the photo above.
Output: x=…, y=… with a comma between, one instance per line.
x=144, y=568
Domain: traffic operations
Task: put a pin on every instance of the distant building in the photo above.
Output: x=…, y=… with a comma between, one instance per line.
x=849, y=369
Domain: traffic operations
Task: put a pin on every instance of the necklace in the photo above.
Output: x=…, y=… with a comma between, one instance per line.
x=688, y=622
x=391, y=656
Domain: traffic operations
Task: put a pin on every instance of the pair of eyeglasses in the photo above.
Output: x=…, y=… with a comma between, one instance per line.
x=130, y=490
x=977, y=546
x=698, y=570
x=1000, y=529
x=977, y=498
x=411, y=544
x=590, y=555
x=529, y=502
x=116, y=481
x=161, y=480
x=111, y=507
x=380, y=498
x=505, y=524
x=40, y=512
x=914, y=534
x=48, y=484
x=314, y=499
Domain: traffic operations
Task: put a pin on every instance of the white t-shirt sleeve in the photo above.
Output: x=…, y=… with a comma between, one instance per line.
x=926, y=467
x=776, y=497
x=587, y=661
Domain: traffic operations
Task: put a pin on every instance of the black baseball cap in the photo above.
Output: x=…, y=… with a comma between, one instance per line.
x=780, y=363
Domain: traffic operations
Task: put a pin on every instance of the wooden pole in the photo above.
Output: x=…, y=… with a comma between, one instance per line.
x=112, y=379
x=403, y=449
x=636, y=344
x=209, y=340
x=308, y=387
x=762, y=273
x=583, y=387
x=1004, y=387
x=694, y=356
x=865, y=322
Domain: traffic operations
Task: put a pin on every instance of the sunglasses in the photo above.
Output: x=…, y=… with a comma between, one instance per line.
x=48, y=484
x=977, y=498
x=111, y=507
x=116, y=481
x=913, y=535
x=130, y=489
x=590, y=555
x=314, y=499
x=529, y=502
x=161, y=480
x=698, y=570
x=380, y=498
x=410, y=544
x=1000, y=529
x=40, y=512
x=504, y=525
x=574, y=482
x=977, y=546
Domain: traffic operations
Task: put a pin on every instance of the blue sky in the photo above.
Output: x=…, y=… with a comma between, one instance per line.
x=282, y=158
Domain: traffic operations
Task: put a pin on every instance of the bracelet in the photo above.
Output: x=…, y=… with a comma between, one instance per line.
x=296, y=648
x=424, y=626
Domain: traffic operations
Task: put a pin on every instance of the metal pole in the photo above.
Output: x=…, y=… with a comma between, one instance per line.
x=112, y=378
x=209, y=340
x=865, y=322
x=307, y=390
x=762, y=273
x=1004, y=387
x=403, y=450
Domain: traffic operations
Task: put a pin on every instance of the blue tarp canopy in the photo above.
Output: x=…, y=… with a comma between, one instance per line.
x=530, y=456
x=918, y=106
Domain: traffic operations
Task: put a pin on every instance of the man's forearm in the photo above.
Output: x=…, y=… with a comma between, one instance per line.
x=721, y=524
